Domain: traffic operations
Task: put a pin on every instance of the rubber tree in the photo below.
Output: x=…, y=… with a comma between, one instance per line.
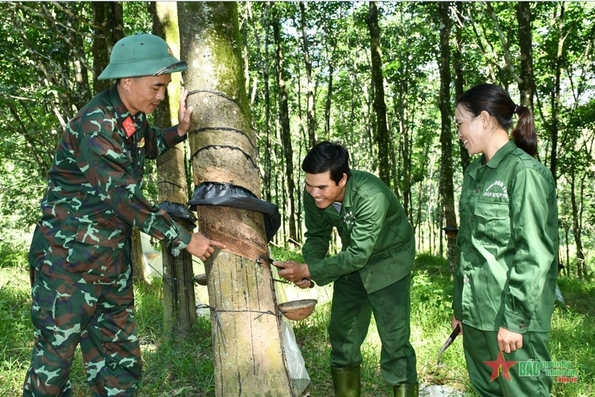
x=382, y=135
x=249, y=358
x=108, y=21
x=281, y=78
x=446, y=135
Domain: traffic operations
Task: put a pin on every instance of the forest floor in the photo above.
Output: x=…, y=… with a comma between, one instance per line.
x=185, y=368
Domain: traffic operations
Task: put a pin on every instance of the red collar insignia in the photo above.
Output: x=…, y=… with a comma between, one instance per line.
x=129, y=126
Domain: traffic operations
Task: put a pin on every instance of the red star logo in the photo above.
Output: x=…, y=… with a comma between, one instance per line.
x=500, y=363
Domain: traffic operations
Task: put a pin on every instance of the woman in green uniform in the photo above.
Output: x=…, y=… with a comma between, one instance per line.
x=508, y=241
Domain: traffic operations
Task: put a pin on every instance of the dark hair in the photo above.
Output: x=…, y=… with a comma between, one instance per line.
x=496, y=101
x=326, y=156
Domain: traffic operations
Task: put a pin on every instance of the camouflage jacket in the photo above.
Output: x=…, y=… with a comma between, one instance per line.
x=94, y=195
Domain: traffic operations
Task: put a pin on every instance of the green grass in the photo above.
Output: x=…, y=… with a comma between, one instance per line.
x=431, y=297
x=573, y=337
x=174, y=367
x=15, y=329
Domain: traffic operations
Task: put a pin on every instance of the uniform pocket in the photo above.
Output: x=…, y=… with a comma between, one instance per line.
x=94, y=250
x=56, y=310
x=493, y=222
x=89, y=233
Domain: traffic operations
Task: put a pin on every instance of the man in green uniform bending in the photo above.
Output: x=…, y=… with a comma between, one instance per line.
x=371, y=274
x=80, y=253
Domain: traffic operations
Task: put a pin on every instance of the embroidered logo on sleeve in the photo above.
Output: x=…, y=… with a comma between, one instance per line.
x=129, y=126
x=349, y=218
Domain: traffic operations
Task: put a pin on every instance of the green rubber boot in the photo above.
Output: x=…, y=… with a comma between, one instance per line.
x=406, y=390
x=347, y=381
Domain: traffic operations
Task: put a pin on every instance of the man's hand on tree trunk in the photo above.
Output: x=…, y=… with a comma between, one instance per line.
x=202, y=246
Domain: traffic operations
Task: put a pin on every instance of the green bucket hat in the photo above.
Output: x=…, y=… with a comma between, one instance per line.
x=141, y=55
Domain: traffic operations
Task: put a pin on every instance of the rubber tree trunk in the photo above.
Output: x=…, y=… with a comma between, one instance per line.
x=284, y=125
x=248, y=351
x=382, y=134
x=179, y=301
x=309, y=79
x=108, y=18
x=458, y=62
x=527, y=85
x=139, y=272
x=446, y=137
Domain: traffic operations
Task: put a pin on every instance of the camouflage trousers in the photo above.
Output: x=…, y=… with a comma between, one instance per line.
x=67, y=312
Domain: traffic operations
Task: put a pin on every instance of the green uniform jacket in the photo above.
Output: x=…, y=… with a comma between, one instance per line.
x=94, y=195
x=508, y=242
x=377, y=240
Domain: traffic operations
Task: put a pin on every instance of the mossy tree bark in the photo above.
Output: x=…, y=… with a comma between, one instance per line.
x=248, y=350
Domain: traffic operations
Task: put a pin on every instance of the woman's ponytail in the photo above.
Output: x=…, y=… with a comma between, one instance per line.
x=524, y=133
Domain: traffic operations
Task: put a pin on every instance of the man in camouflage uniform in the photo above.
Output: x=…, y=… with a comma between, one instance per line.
x=80, y=253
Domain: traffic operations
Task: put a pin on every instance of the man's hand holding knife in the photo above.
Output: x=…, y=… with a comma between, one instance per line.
x=297, y=273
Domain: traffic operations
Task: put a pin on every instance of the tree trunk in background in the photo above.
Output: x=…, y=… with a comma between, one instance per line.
x=576, y=223
x=108, y=18
x=526, y=87
x=382, y=136
x=82, y=87
x=327, y=103
x=285, y=128
x=268, y=134
x=249, y=358
x=179, y=301
x=264, y=65
x=555, y=100
x=330, y=49
x=139, y=272
x=403, y=175
x=446, y=138
x=309, y=81
x=403, y=116
x=460, y=78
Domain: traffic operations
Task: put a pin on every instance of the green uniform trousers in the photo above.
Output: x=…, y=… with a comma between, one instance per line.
x=66, y=312
x=482, y=346
x=351, y=312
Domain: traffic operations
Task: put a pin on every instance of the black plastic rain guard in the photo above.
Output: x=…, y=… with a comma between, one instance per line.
x=180, y=211
x=228, y=195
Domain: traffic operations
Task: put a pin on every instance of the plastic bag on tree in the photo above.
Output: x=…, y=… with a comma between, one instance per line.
x=295, y=362
x=559, y=296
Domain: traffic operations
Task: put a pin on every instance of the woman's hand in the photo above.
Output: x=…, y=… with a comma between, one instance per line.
x=509, y=341
x=453, y=324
